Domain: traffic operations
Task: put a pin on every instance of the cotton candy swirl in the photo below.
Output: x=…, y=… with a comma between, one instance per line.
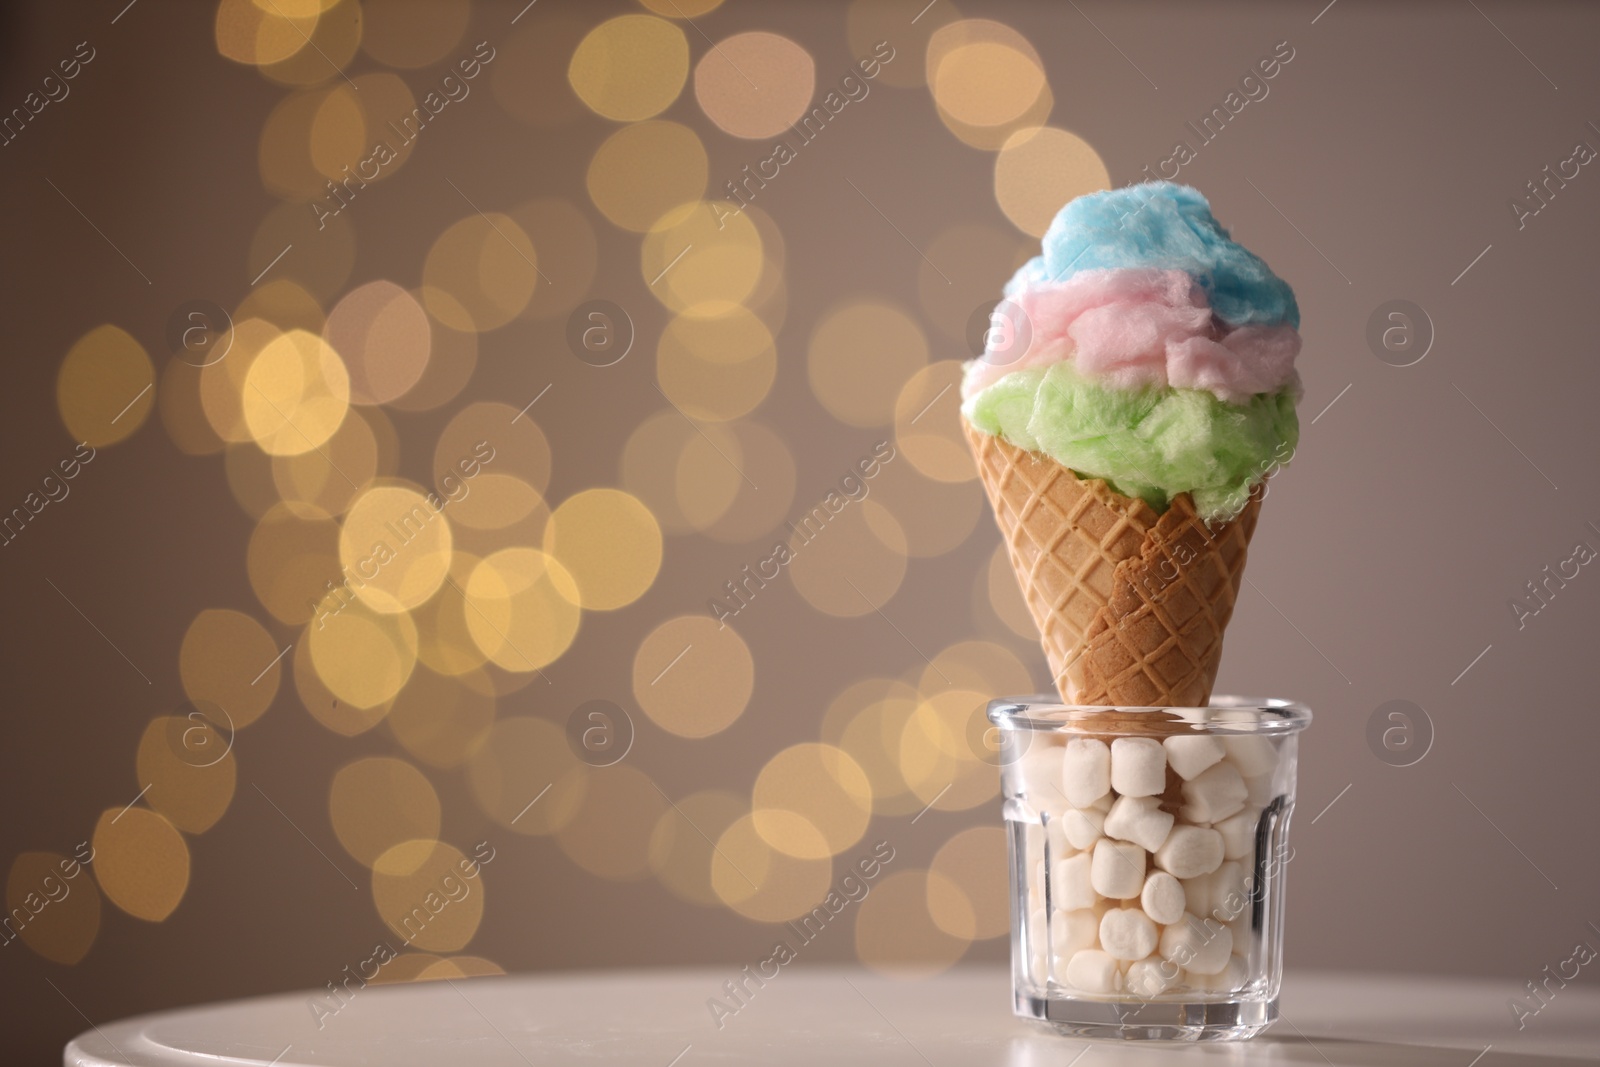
x=1146, y=347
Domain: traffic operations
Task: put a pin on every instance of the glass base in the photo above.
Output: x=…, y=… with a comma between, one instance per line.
x=1151, y=1020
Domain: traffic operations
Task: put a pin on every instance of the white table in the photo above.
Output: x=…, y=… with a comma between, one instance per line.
x=829, y=1016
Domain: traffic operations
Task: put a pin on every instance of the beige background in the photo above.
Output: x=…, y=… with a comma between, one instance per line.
x=1420, y=501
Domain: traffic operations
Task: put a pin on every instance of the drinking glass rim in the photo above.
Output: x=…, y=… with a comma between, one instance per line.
x=1046, y=712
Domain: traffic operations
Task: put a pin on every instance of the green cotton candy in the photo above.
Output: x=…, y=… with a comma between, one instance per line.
x=1152, y=443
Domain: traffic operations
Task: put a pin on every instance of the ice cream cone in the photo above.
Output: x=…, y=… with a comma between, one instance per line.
x=1131, y=605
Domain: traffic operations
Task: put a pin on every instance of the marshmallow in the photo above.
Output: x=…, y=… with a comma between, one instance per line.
x=1127, y=934
x=1190, y=851
x=1081, y=829
x=1239, y=834
x=1071, y=886
x=1162, y=898
x=1232, y=976
x=1214, y=794
x=1222, y=894
x=1262, y=791
x=1085, y=771
x=1140, y=820
x=1138, y=766
x=1198, y=947
x=1190, y=754
x=1094, y=971
x=1118, y=869
x=1243, y=937
x=1102, y=805
x=1252, y=754
x=1073, y=931
x=1152, y=976
x=1041, y=773
x=1055, y=840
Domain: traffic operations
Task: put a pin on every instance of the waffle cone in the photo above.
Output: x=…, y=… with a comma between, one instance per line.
x=1131, y=605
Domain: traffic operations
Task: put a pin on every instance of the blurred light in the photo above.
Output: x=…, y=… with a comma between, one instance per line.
x=968, y=887
x=861, y=353
x=285, y=303
x=395, y=546
x=292, y=558
x=454, y=358
x=61, y=928
x=630, y=67
x=869, y=719
x=1005, y=597
x=444, y=643
x=565, y=236
x=972, y=261
x=936, y=516
x=382, y=333
x=338, y=715
x=228, y=659
x=330, y=478
x=380, y=802
x=717, y=369
x=1039, y=170
x=320, y=253
x=414, y=33
x=182, y=414
x=525, y=776
x=521, y=608
x=685, y=484
x=222, y=382
x=442, y=720
x=643, y=171
x=822, y=785
x=486, y=437
x=693, y=676
x=609, y=542
x=979, y=666
x=295, y=394
x=251, y=34
x=249, y=474
x=761, y=883
x=339, y=136
x=927, y=426
x=681, y=843
x=848, y=562
x=702, y=259
x=938, y=757
x=756, y=84
x=186, y=765
x=983, y=73
x=410, y=967
x=905, y=26
x=610, y=834
x=141, y=862
x=681, y=9
x=480, y=273
x=895, y=933
x=283, y=153
x=424, y=896
x=362, y=656
x=105, y=388
x=333, y=41
x=705, y=478
x=762, y=503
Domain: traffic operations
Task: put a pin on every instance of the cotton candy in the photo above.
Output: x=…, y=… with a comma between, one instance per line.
x=1166, y=226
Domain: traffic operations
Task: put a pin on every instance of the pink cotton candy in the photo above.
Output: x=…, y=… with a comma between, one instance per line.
x=1132, y=328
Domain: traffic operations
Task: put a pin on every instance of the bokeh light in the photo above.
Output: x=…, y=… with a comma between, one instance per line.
x=866, y=720
x=927, y=428
x=480, y=273
x=330, y=478
x=414, y=33
x=454, y=356
x=1039, y=170
x=630, y=67
x=762, y=883
x=693, y=676
x=937, y=517
x=861, y=353
x=681, y=9
x=442, y=719
x=564, y=236
x=702, y=259
x=526, y=778
x=424, y=896
x=186, y=765
x=521, y=608
x=848, y=562
x=987, y=81
x=229, y=660
x=609, y=836
x=362, y=656
x=60, y=903
x=327, y=707
x=253, y=34
x=681, y=845
x=755, y=84
x=331, y=45
x=643, y=171
x=395, y=547
x=938, y=757
x=295, y=394
x=899, y=31
x=292, y=558
x=327, y=247
x=610, y=544
x=379, y=802
x=968, y=887
x=811, y=801
x=105, y=388
x=141, y=862
x=382, y=333
x=718, y=368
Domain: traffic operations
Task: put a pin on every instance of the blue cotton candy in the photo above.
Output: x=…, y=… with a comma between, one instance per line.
x=1160, y=224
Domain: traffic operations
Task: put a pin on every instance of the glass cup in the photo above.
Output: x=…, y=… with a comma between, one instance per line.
x=1148, y=853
